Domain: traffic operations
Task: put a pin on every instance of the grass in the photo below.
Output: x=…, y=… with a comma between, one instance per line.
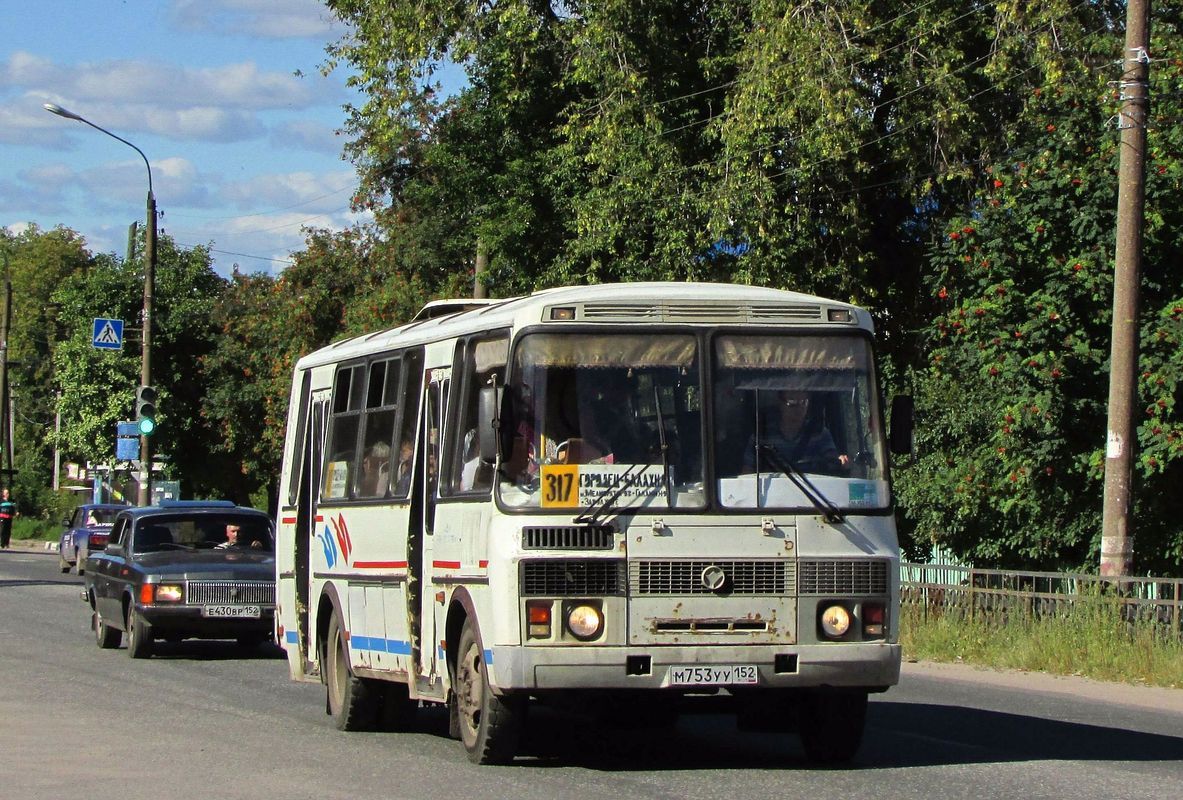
x=38, y=529
x=1087, y=638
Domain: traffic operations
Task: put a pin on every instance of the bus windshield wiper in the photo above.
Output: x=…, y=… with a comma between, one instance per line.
x=665, y=446
x=604, y=503
x=829, y=511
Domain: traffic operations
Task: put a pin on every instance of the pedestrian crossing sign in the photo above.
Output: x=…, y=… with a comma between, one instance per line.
x=108, y=334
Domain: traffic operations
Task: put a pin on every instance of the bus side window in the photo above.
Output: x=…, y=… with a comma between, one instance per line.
x=340, y=461
x=378, y=459
x=482, y=363
x=408, y=394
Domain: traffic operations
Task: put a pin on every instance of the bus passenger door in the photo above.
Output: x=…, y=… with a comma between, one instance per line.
x=420, y=594
x=306, y=510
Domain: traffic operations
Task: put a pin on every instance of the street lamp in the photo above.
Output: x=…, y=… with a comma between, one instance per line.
x=145, y=497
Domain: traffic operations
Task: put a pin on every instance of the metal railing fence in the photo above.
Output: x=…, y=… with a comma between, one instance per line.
x=994, y=593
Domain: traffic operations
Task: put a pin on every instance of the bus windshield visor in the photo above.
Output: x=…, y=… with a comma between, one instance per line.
x=604, y=420
x=796, y=423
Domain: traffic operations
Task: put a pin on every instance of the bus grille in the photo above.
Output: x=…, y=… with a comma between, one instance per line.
x=566, y=537
x=228, y=592
x=843, y=577
x=701, y=312
x=686, y=577
x=573, y=577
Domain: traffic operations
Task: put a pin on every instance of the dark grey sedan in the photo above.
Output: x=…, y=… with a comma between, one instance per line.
x=183, y=569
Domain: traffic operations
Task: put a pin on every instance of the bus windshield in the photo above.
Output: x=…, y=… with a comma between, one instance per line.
x=597, y=416
x=796, y=423
x=616, y=420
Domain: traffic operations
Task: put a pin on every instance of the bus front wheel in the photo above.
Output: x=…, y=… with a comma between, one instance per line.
x=490, y=726
x=350, y=701
x=831, y=725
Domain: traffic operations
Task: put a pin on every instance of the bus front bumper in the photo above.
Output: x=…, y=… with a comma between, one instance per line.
x=872, y=665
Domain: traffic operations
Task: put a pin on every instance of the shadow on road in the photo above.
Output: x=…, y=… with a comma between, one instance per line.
x=215, y=650
x=899, y=735
x=12, y=584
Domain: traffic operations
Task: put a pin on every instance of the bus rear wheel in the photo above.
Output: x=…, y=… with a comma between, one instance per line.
x=832, y=725
x=490, y=726
x=350, y=701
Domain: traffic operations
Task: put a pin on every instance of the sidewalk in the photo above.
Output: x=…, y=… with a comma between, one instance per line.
x=33, y=544
x=1152, y=697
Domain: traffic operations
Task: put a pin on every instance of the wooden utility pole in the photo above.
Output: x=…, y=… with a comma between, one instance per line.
x=1117, y=535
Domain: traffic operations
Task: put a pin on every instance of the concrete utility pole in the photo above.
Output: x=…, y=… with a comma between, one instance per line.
x=145, y=496
x=480, y=266
x=1117, y=536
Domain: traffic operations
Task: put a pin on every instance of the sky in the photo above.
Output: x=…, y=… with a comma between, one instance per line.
x=224, y=97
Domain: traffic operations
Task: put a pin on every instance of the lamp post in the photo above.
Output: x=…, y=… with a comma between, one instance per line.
x=145, y=497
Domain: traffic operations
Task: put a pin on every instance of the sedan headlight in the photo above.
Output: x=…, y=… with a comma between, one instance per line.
x=835, y=621
x=169, y=593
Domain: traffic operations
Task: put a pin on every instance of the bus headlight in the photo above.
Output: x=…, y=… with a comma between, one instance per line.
x=585, y=621
x=835, y=621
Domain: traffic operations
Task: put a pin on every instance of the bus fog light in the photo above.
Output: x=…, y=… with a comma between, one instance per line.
x=538, y=620
x=585, y=621
x=873, y=615
x=835, y=621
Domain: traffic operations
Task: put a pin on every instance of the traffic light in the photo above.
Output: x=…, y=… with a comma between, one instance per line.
x=146, y=410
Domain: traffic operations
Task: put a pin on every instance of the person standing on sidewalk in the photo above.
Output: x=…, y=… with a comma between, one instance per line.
x=7, y=514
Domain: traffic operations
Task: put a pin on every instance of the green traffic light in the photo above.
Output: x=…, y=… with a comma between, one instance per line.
x=147, y=426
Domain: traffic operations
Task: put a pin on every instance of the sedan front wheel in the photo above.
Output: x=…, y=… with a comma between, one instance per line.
x=139, y=635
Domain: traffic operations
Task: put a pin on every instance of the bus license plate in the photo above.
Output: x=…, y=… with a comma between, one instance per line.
x=719, y=675
x=231, y=611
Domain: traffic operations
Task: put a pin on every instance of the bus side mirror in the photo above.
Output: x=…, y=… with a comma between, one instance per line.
x=902, y=425
x=488, y=422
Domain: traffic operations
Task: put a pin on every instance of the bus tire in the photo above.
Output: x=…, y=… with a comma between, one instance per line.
x=490, y=726
x=350, y=701
x=832, y=725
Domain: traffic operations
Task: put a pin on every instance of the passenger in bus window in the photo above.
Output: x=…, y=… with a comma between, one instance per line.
x=402, y=480
x=796, y=434
x=600, y=435
x=376, y=470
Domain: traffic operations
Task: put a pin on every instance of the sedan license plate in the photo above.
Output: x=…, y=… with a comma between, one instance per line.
x=231, y=611
x=719, y=675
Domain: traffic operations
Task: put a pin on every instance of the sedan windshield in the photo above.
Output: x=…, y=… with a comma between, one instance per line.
x=202, y=532
x=604, y=420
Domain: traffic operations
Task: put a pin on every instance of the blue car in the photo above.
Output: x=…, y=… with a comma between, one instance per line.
x=86, y=531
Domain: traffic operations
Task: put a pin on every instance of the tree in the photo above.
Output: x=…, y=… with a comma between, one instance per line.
x=37, y=261
x=1012, y=399
x=98, y=387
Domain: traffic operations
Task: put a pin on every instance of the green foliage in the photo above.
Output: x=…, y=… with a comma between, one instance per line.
x=98, y=386
x=1012, y=401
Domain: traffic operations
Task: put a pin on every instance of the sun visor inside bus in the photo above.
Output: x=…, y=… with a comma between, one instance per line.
x=805, y=352
x=544, y=350
x=490, y=354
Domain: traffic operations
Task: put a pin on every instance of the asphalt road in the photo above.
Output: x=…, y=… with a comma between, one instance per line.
x=209, y=720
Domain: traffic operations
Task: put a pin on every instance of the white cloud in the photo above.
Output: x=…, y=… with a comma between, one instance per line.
x=306, y=134
x=313, y=193
x=292, y=19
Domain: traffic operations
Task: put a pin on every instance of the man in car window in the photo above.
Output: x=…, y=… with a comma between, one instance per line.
x=231, y=536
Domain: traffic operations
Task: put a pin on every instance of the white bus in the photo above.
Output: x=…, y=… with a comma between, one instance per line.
x=620, y=497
